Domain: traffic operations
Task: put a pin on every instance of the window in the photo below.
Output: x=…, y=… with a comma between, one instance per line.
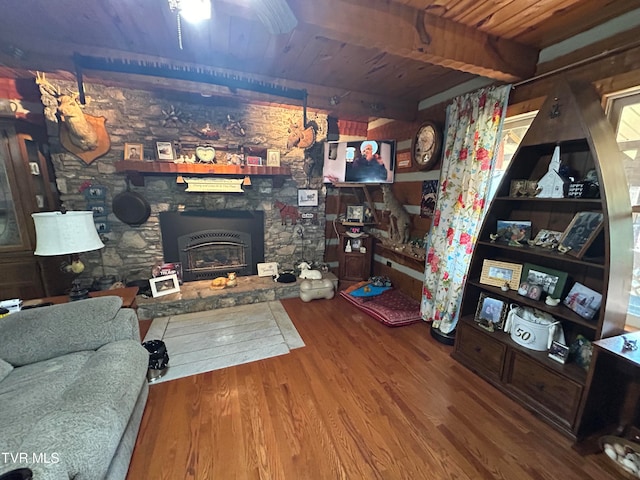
x=513, y=132
x=623, y=111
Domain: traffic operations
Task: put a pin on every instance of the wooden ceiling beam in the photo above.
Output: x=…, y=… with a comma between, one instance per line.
x=411, y=33
x=350, y=105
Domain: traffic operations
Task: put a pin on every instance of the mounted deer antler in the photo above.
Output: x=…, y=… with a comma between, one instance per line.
x=81, y=133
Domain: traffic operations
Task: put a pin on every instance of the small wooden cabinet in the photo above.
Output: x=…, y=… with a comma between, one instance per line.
x=572, y=119
x=355, y=266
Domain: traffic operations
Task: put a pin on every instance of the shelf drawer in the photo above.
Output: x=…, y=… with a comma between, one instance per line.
x=479, y=351
x=558, y=394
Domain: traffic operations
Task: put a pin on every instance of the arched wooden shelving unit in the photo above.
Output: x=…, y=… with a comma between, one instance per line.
x=572, y=118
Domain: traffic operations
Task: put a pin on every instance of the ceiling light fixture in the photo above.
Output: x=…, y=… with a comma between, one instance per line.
x=193, y=11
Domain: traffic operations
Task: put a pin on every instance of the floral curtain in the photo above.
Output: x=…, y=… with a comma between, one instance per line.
x=473, y=134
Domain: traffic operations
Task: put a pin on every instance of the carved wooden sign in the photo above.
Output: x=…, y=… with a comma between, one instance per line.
x=221, y=185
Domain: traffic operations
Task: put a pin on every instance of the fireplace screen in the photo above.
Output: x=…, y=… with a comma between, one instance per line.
x=210, y=254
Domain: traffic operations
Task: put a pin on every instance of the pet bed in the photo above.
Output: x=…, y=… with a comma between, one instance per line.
x=391, y=307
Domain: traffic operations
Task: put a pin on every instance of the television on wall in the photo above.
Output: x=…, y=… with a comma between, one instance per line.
x=359, y=161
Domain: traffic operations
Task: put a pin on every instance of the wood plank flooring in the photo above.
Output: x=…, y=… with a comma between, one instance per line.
x=359, y=401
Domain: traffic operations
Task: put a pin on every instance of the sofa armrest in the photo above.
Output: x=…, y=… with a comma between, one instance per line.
x=38, y=334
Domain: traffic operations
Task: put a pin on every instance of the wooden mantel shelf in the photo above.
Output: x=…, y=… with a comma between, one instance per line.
x=136, y=170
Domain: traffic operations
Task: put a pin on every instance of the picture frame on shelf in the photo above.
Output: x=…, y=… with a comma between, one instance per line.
x=583, y=300
x=580, y=233
x=498, y=274
x=513, y=231
x=273, y=157
x=551, y=280
x=558, y=352
x=530, y=290
x=133, y=151
x=491, y=313
x=164, y=269
x=307, y=197
x=523, y=188
x=547, y=238
x=356, y=243
x=355, y=213
x=254, y=160
x=165, y=151
x=164, y=285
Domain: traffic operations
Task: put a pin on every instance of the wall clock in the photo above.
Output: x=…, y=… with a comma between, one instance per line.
x=426, y=145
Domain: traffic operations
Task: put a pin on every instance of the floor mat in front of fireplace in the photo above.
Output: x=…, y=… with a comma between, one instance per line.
x=204, y=341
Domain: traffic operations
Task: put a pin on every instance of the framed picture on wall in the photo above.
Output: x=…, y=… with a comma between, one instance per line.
x=307, y=198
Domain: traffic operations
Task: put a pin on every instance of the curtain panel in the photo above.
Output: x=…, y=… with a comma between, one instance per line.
x=474, y=127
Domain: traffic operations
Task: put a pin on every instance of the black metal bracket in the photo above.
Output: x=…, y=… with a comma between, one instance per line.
x=193, y=74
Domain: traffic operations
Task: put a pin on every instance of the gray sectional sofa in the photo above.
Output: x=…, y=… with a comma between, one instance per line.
x=72, y=389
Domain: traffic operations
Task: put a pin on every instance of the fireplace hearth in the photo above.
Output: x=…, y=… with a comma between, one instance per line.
x=211, y=244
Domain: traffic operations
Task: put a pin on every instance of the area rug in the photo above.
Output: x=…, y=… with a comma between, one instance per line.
x=393, y=308
x=205, y=341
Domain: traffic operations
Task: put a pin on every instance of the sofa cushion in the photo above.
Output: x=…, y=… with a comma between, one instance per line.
x=77, y=406
x=5, y=369
x=49, y=332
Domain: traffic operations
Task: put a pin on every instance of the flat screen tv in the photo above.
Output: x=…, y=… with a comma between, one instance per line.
x=360, y=161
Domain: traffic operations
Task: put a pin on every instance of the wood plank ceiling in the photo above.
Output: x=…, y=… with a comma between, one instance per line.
x=356, y=58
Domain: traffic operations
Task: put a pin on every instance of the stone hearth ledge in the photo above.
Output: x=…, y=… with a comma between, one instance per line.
x=198, y=296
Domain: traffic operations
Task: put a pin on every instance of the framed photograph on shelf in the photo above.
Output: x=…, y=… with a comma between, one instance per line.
x=552, y=281
x=547, y=238
x=164, y=285
x=356, y=243
x=530, y=290
x=558, y=352
x=164, y=151
x=491, y=313
x=513, y=231
x=133, y=151
x=584, y=301
x=581, y=233
x=497, y=274
x=273, y=158
x=355, y=213
x=307, y=198
x=164, y=269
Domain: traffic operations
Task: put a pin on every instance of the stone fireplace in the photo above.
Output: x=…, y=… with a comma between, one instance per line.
x=137, y=116
x=211, y=244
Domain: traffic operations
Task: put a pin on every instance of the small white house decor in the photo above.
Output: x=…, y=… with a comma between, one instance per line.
x=551, y=185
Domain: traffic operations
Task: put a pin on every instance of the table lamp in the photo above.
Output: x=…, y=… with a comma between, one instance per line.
x=67, y=233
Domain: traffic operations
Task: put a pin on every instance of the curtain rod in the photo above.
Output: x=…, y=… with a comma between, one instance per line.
x=579, y=63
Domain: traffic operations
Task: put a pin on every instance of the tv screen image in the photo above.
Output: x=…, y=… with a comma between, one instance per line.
x=359, y=161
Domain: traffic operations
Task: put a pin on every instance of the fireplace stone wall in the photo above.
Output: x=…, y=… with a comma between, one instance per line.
x=137, y=116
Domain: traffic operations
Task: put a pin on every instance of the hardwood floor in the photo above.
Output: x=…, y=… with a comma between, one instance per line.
x=360, y=401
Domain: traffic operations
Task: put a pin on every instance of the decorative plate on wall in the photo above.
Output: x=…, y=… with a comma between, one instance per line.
x=426, y=145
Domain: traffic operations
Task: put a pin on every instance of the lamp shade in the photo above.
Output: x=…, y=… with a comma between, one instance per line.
x=60, y=233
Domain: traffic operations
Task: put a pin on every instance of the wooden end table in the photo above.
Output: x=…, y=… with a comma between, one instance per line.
x=127, y=294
